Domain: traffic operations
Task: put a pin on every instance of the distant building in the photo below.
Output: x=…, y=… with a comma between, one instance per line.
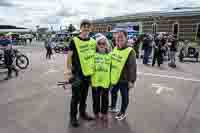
x=42, y=30
x=183, y=22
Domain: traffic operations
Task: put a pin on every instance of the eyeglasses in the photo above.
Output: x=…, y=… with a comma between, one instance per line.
x=102, y=43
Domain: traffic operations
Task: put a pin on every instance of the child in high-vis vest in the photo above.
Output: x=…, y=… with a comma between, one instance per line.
x=123, y=73
x=101, y=79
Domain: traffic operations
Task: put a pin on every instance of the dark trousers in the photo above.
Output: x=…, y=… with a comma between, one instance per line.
x=100, y=100
x=124, y=90
x=136, y=48
x=9, y=62
x=49, y=53
x=157, y=56
x=11, y=68
x=79, y=97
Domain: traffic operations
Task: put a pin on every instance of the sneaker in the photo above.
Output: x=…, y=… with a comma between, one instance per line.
x=118, y=115
x=75, y=123
x=122, y=117
x=86, y=117
x=113, y=110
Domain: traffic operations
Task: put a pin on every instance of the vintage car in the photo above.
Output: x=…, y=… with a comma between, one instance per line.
x=189, y=51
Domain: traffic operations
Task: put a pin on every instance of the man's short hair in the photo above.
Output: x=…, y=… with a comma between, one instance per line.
x=85, y=22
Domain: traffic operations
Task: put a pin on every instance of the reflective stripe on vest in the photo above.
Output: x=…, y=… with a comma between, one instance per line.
x=86, y=51
x=101, y=76
x=119, y=58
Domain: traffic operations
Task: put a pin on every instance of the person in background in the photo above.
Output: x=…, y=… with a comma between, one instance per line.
x=147, y=49
x=8, y=53
x=123, y=73
x=48, y=46
x=173, y=50
x=81, y=54
x=101, y=78
x=136, y=45
x=157, y=55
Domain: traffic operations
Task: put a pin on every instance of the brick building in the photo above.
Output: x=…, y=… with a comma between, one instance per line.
x=184, y=22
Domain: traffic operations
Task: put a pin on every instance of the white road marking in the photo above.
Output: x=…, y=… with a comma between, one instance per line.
x=51, y=71
x=161, y=88
x=169, y=77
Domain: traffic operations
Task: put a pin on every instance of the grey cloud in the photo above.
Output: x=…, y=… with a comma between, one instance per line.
x=25, y=21
x=50, y=20
x=68, y=12
x=5, y=3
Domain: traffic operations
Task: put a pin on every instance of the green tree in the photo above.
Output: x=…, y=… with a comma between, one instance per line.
x=71, y=28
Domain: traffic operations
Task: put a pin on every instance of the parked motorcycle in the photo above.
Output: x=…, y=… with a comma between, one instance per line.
x=20, y=60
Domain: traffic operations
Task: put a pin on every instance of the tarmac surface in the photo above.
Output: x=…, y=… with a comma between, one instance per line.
x=165, y=100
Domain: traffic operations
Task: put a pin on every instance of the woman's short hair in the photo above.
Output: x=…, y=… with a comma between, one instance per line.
x=124, y=32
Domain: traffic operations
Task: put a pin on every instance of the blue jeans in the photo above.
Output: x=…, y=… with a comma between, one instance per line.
x=147, y=52
x=124, y=90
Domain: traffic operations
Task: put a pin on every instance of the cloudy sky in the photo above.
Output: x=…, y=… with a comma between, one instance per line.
x=29, y=13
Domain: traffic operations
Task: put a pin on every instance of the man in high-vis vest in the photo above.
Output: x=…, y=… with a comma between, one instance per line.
x=81, y=56
x=123, y=73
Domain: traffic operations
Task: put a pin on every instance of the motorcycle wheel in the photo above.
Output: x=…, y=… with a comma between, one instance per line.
x=22, y=61
x=57, y=50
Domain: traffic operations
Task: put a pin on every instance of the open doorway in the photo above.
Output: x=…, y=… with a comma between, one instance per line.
x=198, y=32
x=176, y=29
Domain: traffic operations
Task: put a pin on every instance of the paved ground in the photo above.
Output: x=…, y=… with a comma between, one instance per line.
x=165, y=100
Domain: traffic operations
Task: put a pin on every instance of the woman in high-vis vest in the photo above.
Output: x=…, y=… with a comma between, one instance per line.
x=123, y=73
x=101, y=78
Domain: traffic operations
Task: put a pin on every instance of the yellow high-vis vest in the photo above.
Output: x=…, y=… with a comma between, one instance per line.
x=101, y=76
x=119, y=58
x=86, y=52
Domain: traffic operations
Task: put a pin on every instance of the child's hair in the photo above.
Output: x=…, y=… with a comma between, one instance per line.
x=106, y=41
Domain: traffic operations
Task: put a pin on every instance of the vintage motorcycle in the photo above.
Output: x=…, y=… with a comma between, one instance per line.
x=20, y=60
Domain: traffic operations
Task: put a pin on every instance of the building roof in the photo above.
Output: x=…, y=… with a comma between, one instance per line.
x=10, y=27
x=15, y=30
x=182, y=11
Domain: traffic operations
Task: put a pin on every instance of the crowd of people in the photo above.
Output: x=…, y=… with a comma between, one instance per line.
x=92, y=62
x=156, y=46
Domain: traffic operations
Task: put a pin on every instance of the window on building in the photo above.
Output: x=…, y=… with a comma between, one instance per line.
x=154, y=28
x=136, y=28
x=109, y=28
x=198, y=31
x=176, y=29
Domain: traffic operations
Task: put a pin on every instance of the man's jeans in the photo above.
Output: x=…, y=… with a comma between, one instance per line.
x=147, y=52
x=172, y=57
